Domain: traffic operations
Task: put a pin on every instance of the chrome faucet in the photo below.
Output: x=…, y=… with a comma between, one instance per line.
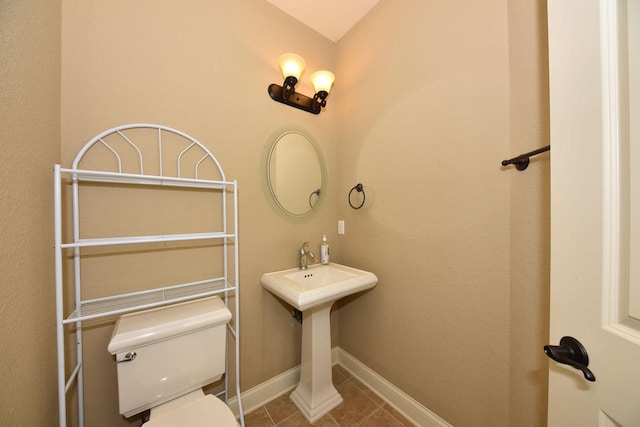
x=304, y=253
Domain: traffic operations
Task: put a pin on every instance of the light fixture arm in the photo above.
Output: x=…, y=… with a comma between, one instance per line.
x=289, y=87
x=320, y=100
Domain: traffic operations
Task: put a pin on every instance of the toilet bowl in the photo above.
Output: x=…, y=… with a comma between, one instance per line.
x=165, y=356
x=195, y=409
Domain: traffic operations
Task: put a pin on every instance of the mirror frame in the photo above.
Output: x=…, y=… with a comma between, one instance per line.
x=272, y=141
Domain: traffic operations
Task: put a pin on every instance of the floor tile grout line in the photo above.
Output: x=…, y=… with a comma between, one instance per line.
x=368, y=416
x=334, y=420
x=362, y=392
x=273, y=423
x=394, y=416
x=285, y=419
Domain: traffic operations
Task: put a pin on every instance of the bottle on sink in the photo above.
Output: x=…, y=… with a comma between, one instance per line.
x=324, y=250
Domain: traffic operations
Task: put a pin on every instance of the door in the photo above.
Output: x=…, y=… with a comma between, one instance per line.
x=595, y=209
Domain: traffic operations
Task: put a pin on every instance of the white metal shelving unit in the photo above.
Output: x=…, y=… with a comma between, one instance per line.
x=189, y=159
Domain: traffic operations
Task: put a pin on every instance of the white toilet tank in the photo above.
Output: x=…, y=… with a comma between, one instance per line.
x=178, y=348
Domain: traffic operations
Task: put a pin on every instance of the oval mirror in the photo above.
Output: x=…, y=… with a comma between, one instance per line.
x=295, y=172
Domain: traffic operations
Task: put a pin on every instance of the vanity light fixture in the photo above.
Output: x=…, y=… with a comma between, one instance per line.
x=292, y=67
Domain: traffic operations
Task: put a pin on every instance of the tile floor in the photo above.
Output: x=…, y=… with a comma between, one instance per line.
x=361, y=407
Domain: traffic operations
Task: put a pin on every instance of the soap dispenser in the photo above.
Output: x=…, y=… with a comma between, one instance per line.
x=324, y=250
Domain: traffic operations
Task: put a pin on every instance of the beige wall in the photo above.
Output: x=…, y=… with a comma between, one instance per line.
x=436, y=225
x=30, y=145
x=429, y=97
x=436, y=95
x=202, y=67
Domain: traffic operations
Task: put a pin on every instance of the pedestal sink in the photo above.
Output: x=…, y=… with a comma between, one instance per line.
x=313, y=291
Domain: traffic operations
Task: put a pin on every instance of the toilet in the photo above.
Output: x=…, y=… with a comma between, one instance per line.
x=165, y=356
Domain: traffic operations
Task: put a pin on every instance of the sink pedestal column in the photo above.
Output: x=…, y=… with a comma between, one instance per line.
x=316, y=395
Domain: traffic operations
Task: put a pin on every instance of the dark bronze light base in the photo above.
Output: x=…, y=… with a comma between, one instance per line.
x=297, y=100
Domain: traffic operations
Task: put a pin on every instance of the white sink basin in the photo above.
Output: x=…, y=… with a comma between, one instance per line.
x=318, y=284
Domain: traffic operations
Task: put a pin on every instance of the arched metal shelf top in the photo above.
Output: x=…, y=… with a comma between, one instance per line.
x=121, y=131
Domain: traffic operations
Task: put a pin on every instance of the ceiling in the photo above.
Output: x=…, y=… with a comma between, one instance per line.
x=331, y=18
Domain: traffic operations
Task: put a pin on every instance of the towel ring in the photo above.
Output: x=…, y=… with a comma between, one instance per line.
x=313, y=203
x=358, y=187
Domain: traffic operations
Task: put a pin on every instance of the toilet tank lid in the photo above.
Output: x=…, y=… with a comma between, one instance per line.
x=146, y=327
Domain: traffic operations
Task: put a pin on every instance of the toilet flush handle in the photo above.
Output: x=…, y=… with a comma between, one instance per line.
x=127, y=357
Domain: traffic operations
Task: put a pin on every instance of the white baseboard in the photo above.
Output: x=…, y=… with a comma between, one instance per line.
x=403, y=403
x=396, y=398
x=267, y=391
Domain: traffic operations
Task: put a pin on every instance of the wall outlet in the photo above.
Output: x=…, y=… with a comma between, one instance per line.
x=340, y=226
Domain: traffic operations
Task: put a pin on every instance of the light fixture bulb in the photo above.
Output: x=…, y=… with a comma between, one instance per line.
x=322, y=81
x=292, y=65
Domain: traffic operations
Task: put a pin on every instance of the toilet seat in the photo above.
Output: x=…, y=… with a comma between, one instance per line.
x=207, y=411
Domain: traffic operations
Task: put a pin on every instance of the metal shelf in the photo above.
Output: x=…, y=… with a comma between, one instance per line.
x=125, y=145
x=125, y=303
x=109, y=241
x=137, y=179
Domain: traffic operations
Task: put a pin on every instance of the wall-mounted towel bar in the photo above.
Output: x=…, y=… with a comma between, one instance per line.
x=522, y=161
